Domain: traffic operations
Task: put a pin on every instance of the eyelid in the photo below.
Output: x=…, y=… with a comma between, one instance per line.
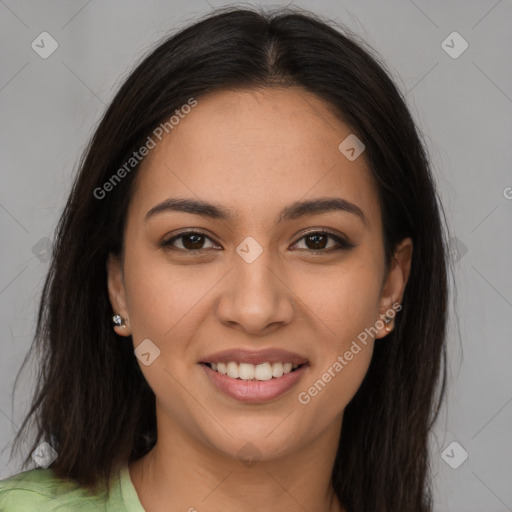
x=341, y=239
x=167, y=242
x=324, y=230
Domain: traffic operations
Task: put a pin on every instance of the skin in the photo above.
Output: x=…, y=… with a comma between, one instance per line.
x=253, y=152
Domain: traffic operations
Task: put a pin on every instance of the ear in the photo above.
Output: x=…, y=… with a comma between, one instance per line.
x=117, y=293
x=394, y=286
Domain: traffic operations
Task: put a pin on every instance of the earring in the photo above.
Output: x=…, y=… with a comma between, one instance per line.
x=118, y=321
x=388, y=319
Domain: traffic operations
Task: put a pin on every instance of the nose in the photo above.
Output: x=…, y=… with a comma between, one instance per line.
x=256, y=297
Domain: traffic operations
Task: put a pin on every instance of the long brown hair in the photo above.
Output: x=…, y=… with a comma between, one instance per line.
x=92, y=403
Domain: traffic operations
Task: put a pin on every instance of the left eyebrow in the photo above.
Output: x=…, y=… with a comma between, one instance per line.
x=318, y=206
x=293, y=211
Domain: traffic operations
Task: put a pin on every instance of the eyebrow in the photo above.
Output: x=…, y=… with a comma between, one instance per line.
x=293, y=211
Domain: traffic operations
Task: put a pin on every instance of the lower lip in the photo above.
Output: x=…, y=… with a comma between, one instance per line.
x=254, y=390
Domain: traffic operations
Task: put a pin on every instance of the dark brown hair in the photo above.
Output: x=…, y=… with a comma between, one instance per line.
x=92, y=403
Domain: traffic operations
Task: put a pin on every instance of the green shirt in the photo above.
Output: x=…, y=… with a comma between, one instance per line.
x=40, y=490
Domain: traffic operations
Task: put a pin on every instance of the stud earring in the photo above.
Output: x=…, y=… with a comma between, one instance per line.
x=118, y=321
x=387, y=320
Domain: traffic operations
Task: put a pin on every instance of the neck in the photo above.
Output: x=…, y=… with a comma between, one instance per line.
x=180, y=473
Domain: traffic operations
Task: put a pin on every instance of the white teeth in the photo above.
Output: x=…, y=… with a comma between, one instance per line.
x=246, y=371
x=232, y=370
x=277, y=370
x=263, y=372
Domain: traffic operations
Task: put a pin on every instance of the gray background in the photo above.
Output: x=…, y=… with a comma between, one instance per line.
x=463, y=106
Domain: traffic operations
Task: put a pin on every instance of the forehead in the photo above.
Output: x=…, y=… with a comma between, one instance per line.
x=254, y=151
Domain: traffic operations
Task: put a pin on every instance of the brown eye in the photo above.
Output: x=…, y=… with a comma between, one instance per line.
x=317, y=242
x=191, y=241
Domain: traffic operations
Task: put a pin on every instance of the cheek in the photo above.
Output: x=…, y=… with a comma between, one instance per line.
x=329, y=390
x=161, y=297
x=164, y=305
x=344, y=306
x=342, y=301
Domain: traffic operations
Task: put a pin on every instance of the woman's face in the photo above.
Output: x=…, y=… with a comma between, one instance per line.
x=258, y=274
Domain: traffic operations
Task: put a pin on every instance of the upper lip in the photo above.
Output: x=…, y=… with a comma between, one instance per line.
x=240, y=355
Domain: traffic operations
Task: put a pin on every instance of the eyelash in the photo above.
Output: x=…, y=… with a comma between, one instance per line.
x=342, y=244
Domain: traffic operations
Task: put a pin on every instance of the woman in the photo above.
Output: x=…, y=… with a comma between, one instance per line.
x=246, y=305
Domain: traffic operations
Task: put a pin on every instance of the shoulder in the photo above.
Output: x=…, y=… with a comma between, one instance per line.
x=42, y=491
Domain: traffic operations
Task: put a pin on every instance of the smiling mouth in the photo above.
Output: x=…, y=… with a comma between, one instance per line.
x=253, y=372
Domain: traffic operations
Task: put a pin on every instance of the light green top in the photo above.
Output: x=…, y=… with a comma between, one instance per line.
x=39, y=490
